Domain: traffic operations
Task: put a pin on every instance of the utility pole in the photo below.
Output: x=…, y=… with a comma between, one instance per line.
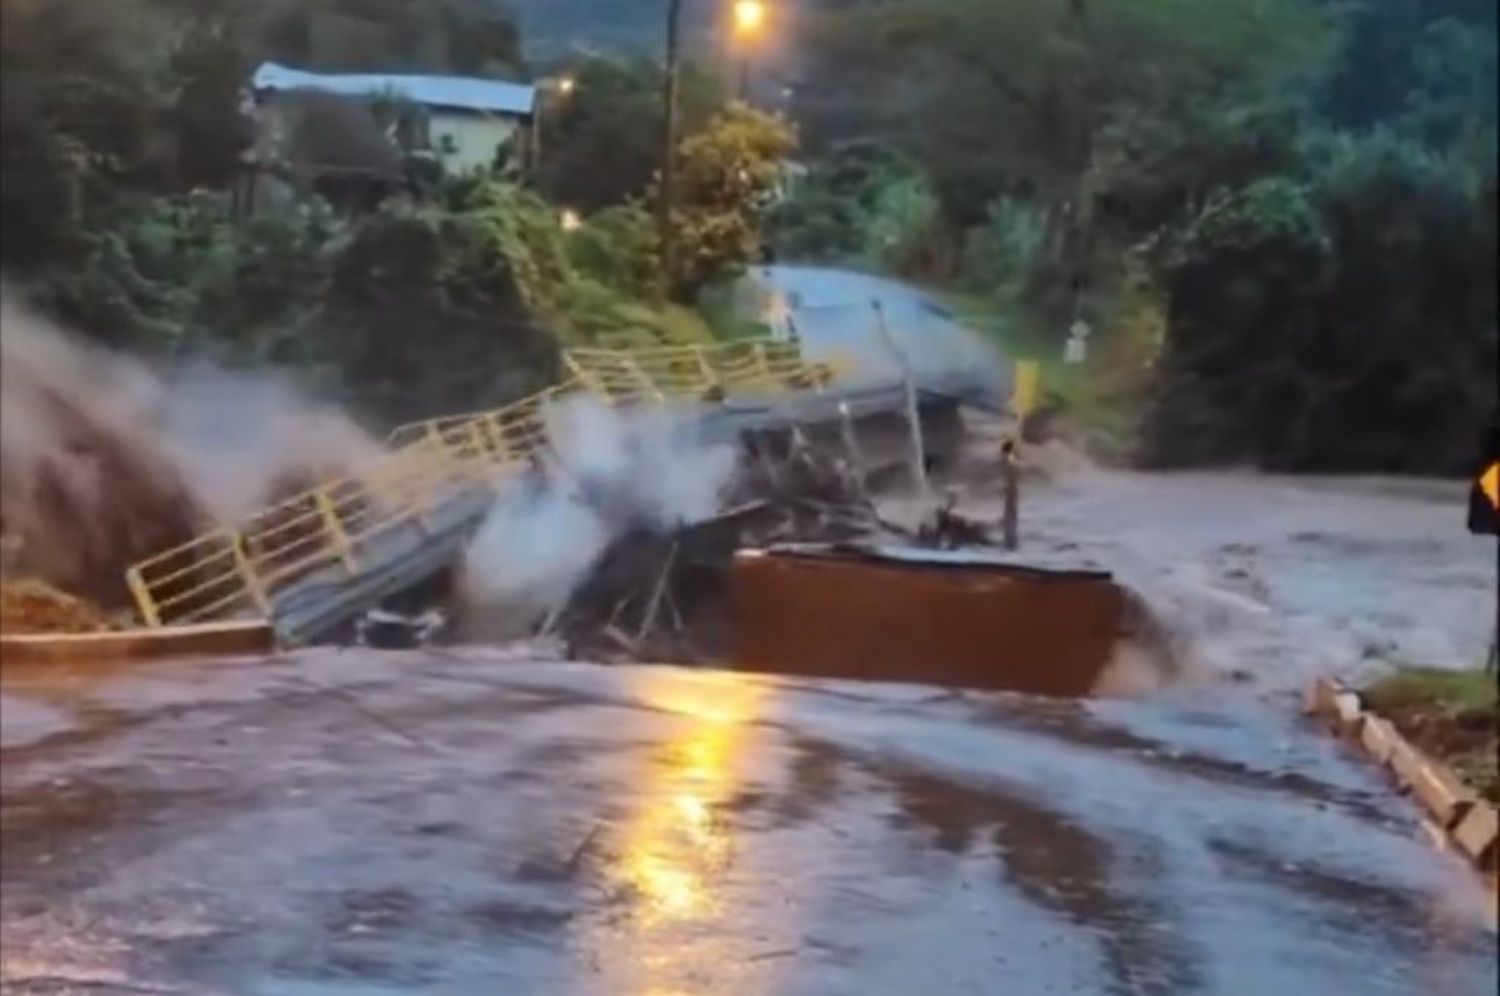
x=666, y=196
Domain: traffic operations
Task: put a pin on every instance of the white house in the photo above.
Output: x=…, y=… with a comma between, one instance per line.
x=466, y=120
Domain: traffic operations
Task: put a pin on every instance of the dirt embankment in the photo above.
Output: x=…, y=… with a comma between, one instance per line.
x=1450, y=715
x=103, y=462
x=31, y=606
x=85, y=488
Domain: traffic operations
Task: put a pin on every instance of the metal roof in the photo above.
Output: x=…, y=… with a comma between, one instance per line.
x=462, y=92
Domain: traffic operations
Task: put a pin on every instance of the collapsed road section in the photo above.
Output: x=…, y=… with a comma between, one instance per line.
x=315, y=562
x=963, y=618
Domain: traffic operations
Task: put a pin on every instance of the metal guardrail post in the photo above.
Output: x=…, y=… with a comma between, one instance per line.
x=645, y=379
x=479, y=437
x=435, y=435
x=335, y=527
x=497, y=431
x=762, y=363
x=142, y=595
x=913, y=409
x=500, y=449
x=1011, y=519
x=710, y=379
x=248, y=576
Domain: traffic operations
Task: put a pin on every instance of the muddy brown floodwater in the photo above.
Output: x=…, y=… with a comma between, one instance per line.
x=476, y=822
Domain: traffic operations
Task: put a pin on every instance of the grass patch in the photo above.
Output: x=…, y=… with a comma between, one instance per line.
x=1451, y=715
x=1431, y=687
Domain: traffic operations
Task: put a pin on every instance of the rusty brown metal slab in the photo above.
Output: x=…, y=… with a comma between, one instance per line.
x=889, y=615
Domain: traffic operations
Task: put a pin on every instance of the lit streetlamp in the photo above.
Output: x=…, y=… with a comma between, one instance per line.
x=749, y=16
x=563, y=87
x=749, y=20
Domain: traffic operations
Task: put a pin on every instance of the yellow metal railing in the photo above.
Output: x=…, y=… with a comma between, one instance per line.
x=703, y=372
x=236, y=571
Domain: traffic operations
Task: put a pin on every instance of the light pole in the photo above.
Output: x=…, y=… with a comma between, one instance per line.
x=563, y=86
x=666, y=195
x=749, y=16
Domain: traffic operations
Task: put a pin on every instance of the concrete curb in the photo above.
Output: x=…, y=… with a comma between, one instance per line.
x=1457, y=819
x=204, y=640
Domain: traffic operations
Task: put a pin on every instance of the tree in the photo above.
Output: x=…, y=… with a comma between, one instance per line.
x=208, y=65
x=83, y=88
x=1012, y=96
x=601, y=144
x=726, y=175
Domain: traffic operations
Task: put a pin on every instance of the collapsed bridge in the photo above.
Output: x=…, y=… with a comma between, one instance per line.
x=319, y=559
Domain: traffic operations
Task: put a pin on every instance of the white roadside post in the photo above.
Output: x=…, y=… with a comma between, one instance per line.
x=1077, y=348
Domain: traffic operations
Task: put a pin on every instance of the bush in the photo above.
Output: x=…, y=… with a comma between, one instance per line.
x=904, y=229
x=999, y=254
x=817, y=225
x=1343, y=323
x=618, y=247
x=830, y=215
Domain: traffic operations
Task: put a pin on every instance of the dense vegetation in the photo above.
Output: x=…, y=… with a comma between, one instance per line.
x=1286, y=207
x=1277, y=215
x=123, y=140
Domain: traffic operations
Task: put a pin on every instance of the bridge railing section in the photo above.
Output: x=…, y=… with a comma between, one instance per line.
x=236, y=571
x=232, y=572
x=704, y=373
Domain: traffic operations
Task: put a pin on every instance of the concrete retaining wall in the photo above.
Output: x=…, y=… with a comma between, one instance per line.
x=1456, y=818
x=205, y=640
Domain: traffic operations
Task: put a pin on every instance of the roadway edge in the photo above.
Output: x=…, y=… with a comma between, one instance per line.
x=1456, y=818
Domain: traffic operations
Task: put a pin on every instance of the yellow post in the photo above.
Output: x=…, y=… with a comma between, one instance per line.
x=248, y=575
x=1027, y=388
x=142, y=595
x=645, y=379
x=763, y=364
x=435, y=436
x=710, y=379
x=335, y=527
x=576, y=368
x=479, y=434
x=497, y=431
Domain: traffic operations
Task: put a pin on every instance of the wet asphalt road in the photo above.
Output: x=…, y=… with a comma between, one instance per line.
x=334, y=823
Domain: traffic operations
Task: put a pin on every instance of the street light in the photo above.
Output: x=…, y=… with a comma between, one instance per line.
x=563, y=86
x=749, y=19
x=749, y=15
